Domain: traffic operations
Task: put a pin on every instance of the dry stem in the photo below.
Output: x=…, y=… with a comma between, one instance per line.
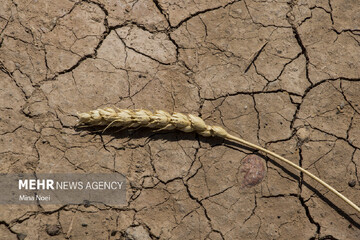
x=162, y=120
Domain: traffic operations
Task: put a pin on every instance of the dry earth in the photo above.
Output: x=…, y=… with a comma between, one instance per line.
x=282, y=74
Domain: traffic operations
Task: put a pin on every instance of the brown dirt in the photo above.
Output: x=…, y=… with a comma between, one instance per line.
x=281, y=74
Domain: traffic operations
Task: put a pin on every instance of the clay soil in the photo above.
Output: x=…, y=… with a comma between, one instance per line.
x=283, y=74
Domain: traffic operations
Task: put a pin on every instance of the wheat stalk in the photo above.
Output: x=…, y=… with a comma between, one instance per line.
x=161, y=120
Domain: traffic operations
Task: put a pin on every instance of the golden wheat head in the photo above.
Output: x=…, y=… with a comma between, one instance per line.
x=159, y=120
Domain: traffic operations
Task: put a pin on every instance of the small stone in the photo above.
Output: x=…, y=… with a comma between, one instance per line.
x=352, y=183
x=86, y=203
x=21, y=236
x=53, y=229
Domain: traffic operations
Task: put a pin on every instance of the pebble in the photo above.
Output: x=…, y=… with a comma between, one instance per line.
x=53, y=229
x=352, y=183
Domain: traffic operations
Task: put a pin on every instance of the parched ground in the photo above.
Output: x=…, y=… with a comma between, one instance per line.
x=282, y=74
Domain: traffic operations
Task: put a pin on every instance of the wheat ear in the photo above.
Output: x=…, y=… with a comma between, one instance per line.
x=161, y=120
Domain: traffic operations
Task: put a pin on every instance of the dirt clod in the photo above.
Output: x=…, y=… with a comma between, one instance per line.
x=252, y=170
x=135, y=233
x=303, y=134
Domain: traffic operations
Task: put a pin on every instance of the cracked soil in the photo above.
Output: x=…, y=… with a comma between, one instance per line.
x=283, y=74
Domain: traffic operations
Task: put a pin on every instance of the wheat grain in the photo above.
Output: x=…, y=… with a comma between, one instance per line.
x=161, y=120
